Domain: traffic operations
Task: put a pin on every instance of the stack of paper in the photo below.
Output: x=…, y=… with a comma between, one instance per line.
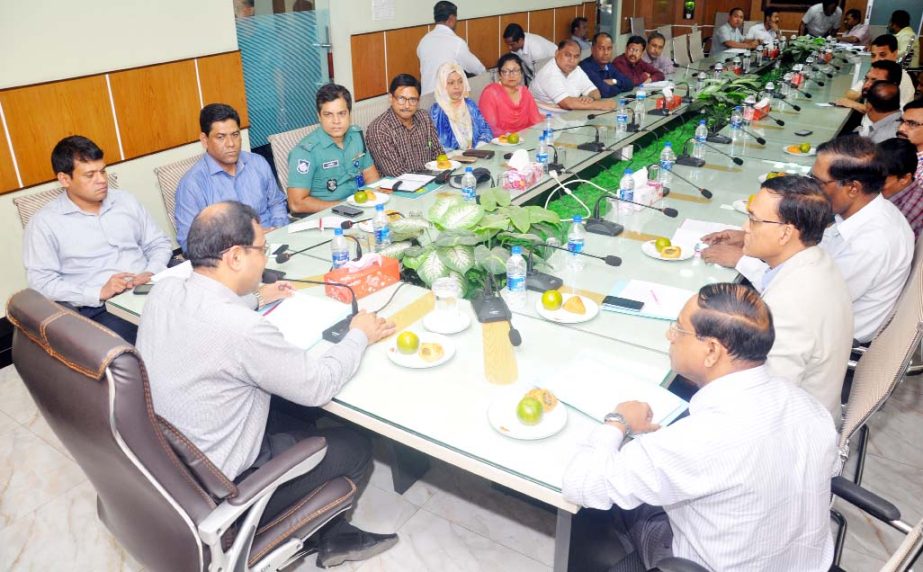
x=324, y=223
x=691, y=232
x=302, y=318
x=595, y=383
x=660, y=302
x=410, y=182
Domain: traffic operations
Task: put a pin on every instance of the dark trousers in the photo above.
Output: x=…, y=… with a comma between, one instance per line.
x=126, y=329
x=650, y=533
x=349, y=454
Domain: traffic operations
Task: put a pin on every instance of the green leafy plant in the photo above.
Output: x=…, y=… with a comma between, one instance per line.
x=469, y=240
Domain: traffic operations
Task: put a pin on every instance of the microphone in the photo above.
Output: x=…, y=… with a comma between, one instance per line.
x=611, y=260
x=285, y=256
x=595, y=115
x=338, y=331
x=595, y=146
x=782, y=98
x=779, y=122
x=737, y=160
x=348, y=224
x=686, y=159
x=702, y=190
x=491, y=307
x=540, y=281
x=759, y=139
x=554, y=165
x=598, y=225
x=686, y=98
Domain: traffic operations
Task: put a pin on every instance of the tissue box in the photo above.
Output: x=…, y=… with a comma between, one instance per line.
x=522, y=179
x=761, y=112
x=379, y=272
x=672, y=104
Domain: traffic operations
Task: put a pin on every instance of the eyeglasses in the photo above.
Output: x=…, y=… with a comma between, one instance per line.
x=405, y=100
x=510, y=72
x=674, y=330
x=910, y=123
x=755, y=220
x=819, y=180
x=264, y=248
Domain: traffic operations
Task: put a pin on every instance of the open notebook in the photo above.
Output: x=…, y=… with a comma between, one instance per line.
x=660, y=301
x=302, y=318
x=594, y=383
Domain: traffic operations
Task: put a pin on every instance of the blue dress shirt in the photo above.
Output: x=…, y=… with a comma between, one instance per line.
x=70, y=254
x=207, y=183
x=598, y=74
x=480, y=132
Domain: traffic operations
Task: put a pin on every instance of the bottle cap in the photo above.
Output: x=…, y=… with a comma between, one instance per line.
x=380, y=207
x=667, y=144
x=516, y=250
x=468, y=169
x=339, y=231
x=701, y=122
x=629, y=172
x=578, y=218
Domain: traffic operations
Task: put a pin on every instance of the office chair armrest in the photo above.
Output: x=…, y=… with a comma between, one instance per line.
x=865, y=500
x=255, y=490
x=674, y=564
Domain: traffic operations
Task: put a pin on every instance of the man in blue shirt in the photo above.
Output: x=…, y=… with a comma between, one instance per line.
x=598, y=67
x=225, y=173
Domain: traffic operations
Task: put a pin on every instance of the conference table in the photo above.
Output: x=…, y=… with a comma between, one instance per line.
x=442, y=412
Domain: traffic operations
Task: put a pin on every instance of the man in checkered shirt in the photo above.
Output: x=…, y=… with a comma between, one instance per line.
x=911, y=129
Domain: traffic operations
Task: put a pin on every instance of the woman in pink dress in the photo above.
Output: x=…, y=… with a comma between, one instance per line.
x=508, y=105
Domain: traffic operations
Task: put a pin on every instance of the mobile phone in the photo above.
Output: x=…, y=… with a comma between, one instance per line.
x=143, y=289
x=804, y=133
x=347, y=211
x=626, y=303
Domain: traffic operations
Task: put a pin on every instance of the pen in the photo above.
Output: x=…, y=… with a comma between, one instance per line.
x=654, y=296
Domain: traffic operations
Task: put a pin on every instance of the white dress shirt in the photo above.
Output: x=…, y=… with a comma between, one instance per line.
x=873, y=250
x=744, y=479
x=759, y=32
x=443, y=45
x=906, y=87
x=534, y=49
x=812, y=316
x=817, y=23
x=551, y=86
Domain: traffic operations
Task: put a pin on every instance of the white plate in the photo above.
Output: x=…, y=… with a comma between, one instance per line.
x=381, y=198
x=496, y=141
x=740, y=205
x=366, y=226
x=414, y=361
x=562, y=316
x=649, y=249
x=433, y=323
x=432, y=166
x=810, y=153
x=502, y=417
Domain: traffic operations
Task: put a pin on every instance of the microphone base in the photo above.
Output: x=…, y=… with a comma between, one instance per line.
x=338, y=331
x=690, y=161
x=592, y=146
x=556, y=167
x=603, y=227
x=660, y=112
x=540, y=281
x=491, y=308
x=715, y=138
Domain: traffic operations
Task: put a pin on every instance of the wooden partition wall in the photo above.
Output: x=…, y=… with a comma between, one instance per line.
x=128, y=113
x=379, y=56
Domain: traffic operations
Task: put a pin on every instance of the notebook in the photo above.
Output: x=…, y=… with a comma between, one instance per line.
x=660, y=302
x=302, y=318
x=410, y=182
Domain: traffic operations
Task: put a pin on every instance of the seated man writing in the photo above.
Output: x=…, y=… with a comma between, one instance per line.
x=562, y=82
x=218, y=370
x=752, y=461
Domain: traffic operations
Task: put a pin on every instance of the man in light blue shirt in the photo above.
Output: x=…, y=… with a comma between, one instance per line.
x=731, y=34
x=92, y=242
x=225, y=173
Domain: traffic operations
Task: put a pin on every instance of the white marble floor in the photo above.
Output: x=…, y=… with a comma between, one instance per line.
x=450, y=520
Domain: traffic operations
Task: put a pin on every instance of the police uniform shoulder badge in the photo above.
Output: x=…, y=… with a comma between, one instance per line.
x=304, y=166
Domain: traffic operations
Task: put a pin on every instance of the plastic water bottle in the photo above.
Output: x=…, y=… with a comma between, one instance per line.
x=700, y=82
x=541, y=156
x=719, y=68
x=469, y=186
x=516, y=278
x=701, y=134
x=548, y=129
x=747, y=60
x=626, y=191
x=621, y=117
x=737, y=119
x=640, y=109
x=749, y=111
x=339, y=248
x=576, y=238
x=782, y=43
x=667, y=158
x=382, y=228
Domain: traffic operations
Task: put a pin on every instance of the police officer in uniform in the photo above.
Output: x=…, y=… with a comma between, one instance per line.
x=332, y=162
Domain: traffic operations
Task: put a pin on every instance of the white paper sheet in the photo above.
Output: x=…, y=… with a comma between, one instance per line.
x=692, y=230
x=325, y=223
x=660, y=301
x=302, y=318
x=183, y=270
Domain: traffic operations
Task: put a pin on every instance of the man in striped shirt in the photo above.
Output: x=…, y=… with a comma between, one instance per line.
x=743, y=482
x=911, y=129
x=403, y=139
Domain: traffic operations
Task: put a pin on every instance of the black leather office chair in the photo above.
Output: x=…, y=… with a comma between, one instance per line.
x=159, y=495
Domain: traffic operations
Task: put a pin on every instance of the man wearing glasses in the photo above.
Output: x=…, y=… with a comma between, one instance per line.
x=403, y=138
x=752, y=460
x=870, y=240
x=911, y=129
x=218, y=370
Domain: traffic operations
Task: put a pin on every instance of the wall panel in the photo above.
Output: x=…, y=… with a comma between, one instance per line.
x=157, y=107
x=541, y=22
x=8, y=179
x=484, y=39
x=589, y=12
x=368, y=53
x=521, y=18
x=39, y=116
x=562, y=19
x=222, y=81
x=402, y=50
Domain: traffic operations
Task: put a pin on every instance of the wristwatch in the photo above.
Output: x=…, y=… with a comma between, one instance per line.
x=614, y=417
x=259, y=298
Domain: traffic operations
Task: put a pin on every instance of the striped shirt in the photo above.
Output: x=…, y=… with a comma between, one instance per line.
x=744, y=479
x=910, y=200
x=398, y=150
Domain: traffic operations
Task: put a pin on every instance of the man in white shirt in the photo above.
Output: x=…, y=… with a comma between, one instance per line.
x=883, y=48
x=731, y=34
x=821, y=19
x=561, y=83
x=810, y=304
x=580, y=32
x=856, y=32
x=768, y=31
x=442, y=45
x=882, y=112
x=531, y=48
x=880, y=70
x=870, y=240
x=743, y=482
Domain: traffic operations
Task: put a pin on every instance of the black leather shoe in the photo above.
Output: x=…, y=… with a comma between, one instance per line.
x=358, y=545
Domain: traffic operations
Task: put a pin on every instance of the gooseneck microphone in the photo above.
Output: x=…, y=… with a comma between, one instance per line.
x=611, y=260
x=779, y=122
x=285, y=256
x=702, y=190
x=338, y=331
x=759, y=139
x=489, y=306
x=737, y=160
x=595, y=146
x=595, y=115
x=598, y=225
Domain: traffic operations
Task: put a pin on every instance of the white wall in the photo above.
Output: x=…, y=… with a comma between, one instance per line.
x=45, y=40
x=348, y=17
